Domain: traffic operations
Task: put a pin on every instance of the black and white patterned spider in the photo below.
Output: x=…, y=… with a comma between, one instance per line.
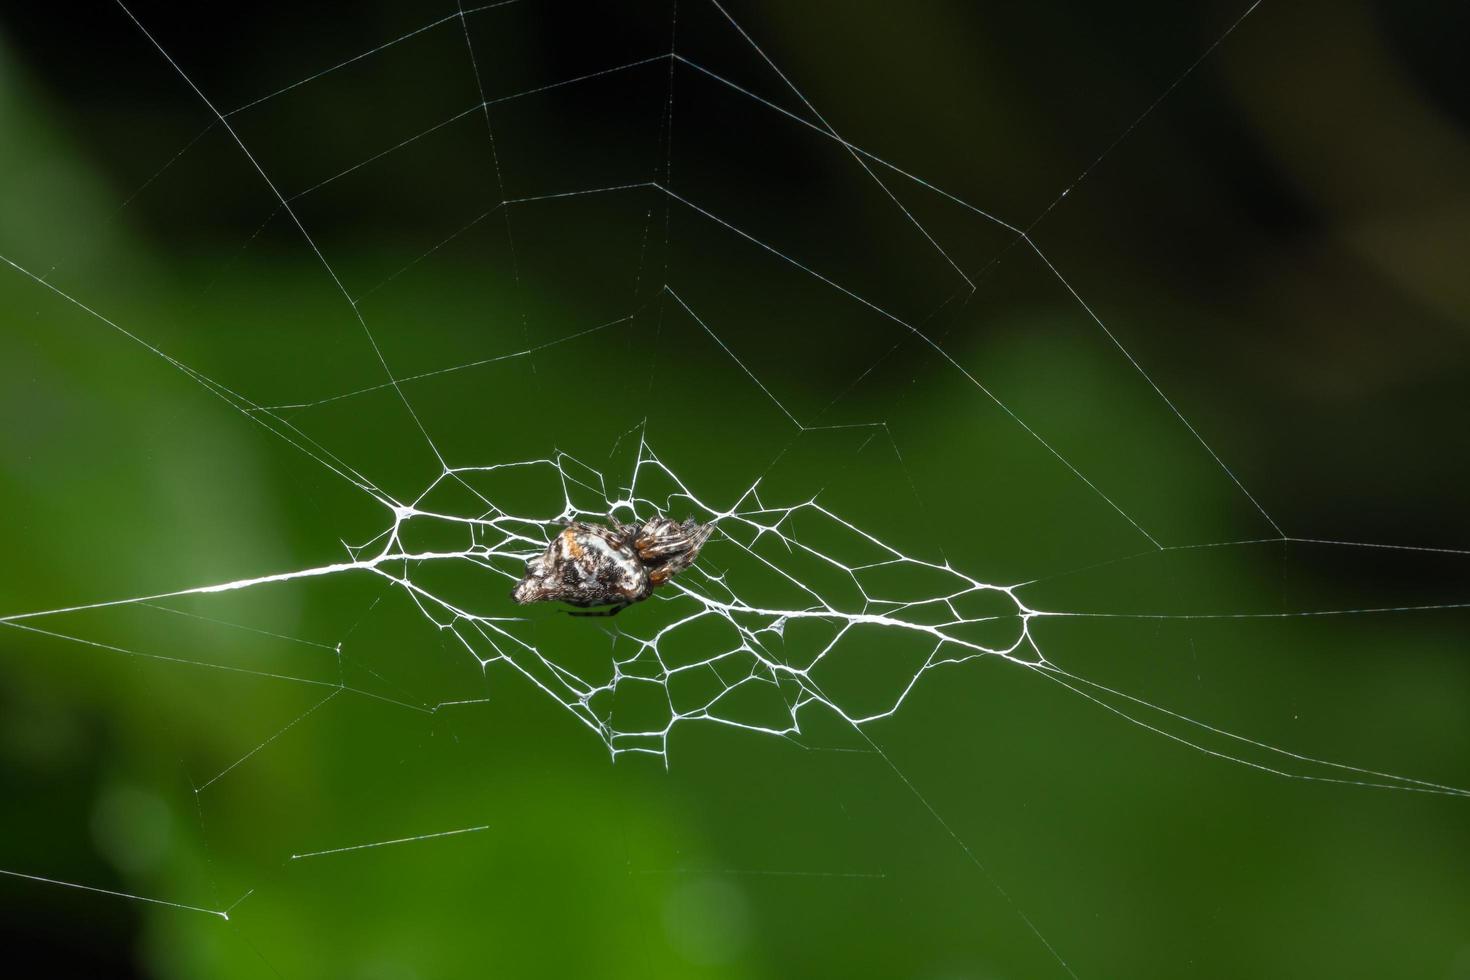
x=589, y=565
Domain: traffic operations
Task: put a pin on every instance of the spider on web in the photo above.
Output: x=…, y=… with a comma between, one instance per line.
x=588, y=565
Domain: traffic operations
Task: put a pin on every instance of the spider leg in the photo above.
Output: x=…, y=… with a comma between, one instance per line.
x=681, y=559
x=600, y=612
x=670, y=568
x=626, y=533
x=677, y=540
x=650, y=550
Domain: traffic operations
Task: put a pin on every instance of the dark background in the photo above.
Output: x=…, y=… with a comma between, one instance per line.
x=1279, y=241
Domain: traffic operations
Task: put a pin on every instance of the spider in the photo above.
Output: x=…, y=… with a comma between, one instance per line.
x=590, y=565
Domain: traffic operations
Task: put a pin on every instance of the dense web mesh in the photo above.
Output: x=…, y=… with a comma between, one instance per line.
x=799, y=613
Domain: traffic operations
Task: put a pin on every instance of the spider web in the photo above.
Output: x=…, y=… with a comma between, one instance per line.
x=815, y=613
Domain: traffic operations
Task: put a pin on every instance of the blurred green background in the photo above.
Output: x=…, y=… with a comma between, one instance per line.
x=1280, y=243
